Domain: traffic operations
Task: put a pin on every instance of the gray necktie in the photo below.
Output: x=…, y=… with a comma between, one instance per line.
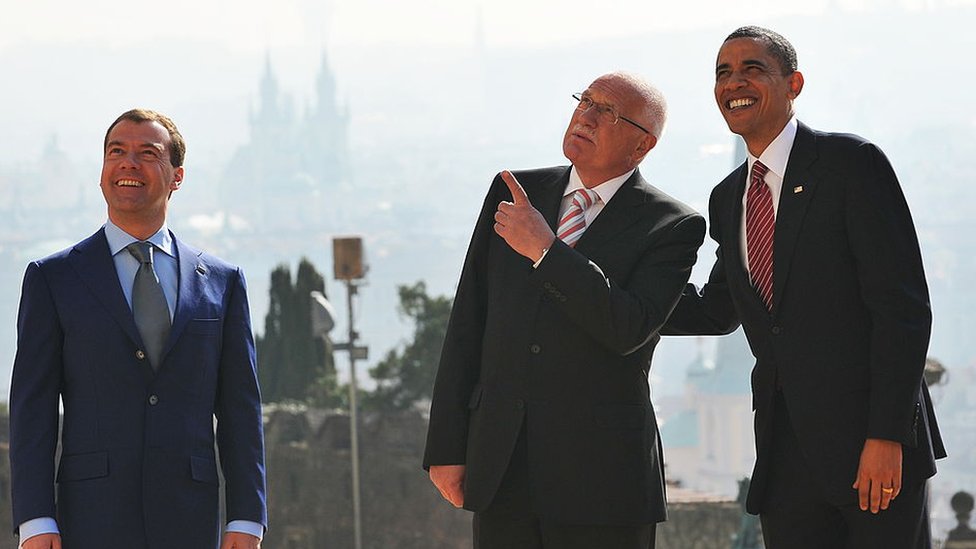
x=149, y=304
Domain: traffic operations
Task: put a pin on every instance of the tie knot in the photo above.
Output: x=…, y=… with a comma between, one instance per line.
x=142, y=251
x=759, y=171
x=584, y=198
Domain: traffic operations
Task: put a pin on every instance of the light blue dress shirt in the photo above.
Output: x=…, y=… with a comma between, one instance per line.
x=168, y=271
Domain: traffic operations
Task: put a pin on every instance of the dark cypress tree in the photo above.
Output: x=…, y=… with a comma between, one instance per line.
x=293, y=364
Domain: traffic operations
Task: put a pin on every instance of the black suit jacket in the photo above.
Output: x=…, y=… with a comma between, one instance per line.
x=849, y=330
x=566, y=349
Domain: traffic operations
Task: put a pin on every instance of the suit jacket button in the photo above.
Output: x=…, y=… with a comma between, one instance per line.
x=153, y=400
x=776, y=330
x=140, y=354
x=535, y=349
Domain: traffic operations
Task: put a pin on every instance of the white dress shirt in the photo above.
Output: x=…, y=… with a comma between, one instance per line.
x=775, y=157
x=604, y=191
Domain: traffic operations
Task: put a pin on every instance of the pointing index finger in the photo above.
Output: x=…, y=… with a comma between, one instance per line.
x=518, y=193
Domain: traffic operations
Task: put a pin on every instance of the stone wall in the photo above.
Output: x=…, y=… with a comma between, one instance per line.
x=309, y=490
x=310, y=483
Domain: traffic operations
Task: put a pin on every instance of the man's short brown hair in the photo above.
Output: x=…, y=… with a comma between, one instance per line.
x=177, y=147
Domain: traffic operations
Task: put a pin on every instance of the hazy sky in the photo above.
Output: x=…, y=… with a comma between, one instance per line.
x=251, y=25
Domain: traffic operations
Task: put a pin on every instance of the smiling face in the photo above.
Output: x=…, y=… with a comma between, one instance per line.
x=753, y=94
x=599, y=150
x=138, y=177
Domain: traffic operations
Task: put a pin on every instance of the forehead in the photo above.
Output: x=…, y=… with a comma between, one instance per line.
x=128, y=132
x=613, y=91
x=741, y=50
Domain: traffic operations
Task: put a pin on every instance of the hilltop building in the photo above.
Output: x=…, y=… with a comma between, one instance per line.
x=709, y=445
x=287, y=174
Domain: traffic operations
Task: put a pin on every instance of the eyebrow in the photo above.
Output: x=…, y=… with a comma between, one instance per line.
x=747, y=62
x=148, y=144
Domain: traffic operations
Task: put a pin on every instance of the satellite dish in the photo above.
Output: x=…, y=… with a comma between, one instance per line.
x=322, y=314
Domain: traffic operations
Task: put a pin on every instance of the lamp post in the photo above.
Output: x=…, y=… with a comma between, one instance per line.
x=347, y=255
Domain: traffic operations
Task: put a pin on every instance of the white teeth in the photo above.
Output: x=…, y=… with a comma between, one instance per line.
x=128, y=183
x=744, y=102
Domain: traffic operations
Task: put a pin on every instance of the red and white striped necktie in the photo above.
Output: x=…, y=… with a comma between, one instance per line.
x=573, y=222
x=760, y=224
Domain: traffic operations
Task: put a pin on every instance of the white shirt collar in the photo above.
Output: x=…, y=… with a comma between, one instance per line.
x=604, y=190
x=118, y=239
x=777, y=153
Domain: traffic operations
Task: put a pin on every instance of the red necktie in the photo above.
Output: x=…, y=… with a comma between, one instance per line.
x=573, y=223
x=760, y=223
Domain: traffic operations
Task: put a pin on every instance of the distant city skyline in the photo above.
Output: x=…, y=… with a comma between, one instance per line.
x=434, y=97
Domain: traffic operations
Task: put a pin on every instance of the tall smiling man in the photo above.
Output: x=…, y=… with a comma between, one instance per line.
x=541, y=421
x=145, y=341
x=819, y=261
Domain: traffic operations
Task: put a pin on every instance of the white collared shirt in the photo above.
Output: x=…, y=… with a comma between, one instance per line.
x=775, y=157
x=604, y=191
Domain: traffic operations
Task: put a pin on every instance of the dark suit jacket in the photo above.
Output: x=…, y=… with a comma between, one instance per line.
x=566, y=349
x=137, y=464
x=847, y=337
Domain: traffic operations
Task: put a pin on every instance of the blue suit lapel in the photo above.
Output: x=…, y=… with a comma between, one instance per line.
x=193, y=277
x=92, y=260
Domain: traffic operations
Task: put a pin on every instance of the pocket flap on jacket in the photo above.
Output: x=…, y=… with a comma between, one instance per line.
x=83, y=466
x=620, y=416
x=204, y=326
x=475, y=399
x=203, y=469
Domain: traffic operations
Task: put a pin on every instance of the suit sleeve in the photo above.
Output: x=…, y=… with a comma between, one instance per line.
x=240, y=433
x=624, y=318
x=35, y=389
x=710, y=310
x=460, y=363
x=892, y=281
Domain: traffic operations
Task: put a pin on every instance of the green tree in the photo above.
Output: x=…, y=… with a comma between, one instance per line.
x=293, y=364
x=406, y=376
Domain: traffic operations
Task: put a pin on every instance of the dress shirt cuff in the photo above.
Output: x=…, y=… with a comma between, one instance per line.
x=246, y=527
x=35, y=527
x=545, y=251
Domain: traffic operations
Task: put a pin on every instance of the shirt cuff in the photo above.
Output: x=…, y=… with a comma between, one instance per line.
x=246, y=527
x=537, y=263
x=35, y=527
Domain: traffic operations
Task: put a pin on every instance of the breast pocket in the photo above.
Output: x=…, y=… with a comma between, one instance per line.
x=204, y=326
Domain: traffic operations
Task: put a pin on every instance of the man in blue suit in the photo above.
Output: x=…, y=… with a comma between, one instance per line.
x=140, y=391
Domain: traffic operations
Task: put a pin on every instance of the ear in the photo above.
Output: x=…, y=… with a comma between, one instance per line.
x=645, y=145
x=177, y=179
x=795, y=82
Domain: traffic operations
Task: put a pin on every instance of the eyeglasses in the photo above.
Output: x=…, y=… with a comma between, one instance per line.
x=604, y=113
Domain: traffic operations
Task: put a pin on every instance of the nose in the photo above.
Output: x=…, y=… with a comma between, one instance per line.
x=587, y=117
x=734, y=81
x=129, y=160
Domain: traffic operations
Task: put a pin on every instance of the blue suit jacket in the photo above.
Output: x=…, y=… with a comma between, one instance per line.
x=137, y=464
